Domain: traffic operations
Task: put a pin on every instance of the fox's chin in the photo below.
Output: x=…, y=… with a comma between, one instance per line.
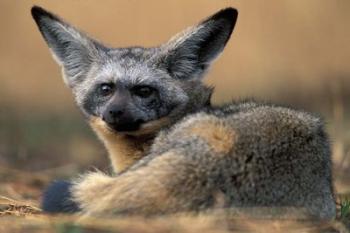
x=126, y=127
x=142, y=128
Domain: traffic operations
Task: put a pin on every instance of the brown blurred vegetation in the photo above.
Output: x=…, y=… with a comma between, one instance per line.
x=289, y=52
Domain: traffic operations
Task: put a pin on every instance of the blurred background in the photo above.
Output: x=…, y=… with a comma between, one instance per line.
x=289, y=52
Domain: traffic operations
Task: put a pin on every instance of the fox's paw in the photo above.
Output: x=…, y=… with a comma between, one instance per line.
x=57, y=198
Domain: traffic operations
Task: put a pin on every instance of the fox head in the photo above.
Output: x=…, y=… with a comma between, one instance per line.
x=137, y=90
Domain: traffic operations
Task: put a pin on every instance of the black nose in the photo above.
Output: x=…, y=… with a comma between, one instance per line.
x=116, y=113
x=112, y=114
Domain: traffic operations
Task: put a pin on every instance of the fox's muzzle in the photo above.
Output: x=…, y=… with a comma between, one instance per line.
x=118, y=118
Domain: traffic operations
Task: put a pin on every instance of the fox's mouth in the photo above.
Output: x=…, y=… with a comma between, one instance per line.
x=139, y=127
x=130, y=126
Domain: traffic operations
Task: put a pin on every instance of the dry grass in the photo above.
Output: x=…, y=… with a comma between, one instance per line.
x=16, y=208
x=23, y=218
x=36, y=222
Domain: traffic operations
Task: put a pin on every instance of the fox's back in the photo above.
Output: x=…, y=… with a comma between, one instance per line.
x=258, y=155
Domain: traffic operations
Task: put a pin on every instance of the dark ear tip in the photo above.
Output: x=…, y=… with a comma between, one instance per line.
x=39, y=12
x=226, y=13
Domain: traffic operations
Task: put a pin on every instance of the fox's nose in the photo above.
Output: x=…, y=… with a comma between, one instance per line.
x=112, y=114
x=116, y=113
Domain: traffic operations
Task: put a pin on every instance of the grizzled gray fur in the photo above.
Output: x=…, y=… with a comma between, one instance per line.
x=170, y=149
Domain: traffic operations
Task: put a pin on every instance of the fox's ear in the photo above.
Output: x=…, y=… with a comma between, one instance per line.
x=188, y=54
x=73, y=50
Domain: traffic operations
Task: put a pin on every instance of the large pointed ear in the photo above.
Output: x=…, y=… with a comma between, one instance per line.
x=73, y=50
x=188, y=54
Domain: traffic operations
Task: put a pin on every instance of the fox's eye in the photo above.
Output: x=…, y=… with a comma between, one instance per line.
x=143, y=91
x=106, y=89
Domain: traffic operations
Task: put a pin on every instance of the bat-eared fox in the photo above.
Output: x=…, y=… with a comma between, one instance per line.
x=170, y=149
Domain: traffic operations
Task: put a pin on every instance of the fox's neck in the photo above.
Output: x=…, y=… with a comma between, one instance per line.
x=123, y=150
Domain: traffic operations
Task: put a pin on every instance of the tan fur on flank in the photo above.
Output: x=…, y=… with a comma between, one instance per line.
x=218, y=136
